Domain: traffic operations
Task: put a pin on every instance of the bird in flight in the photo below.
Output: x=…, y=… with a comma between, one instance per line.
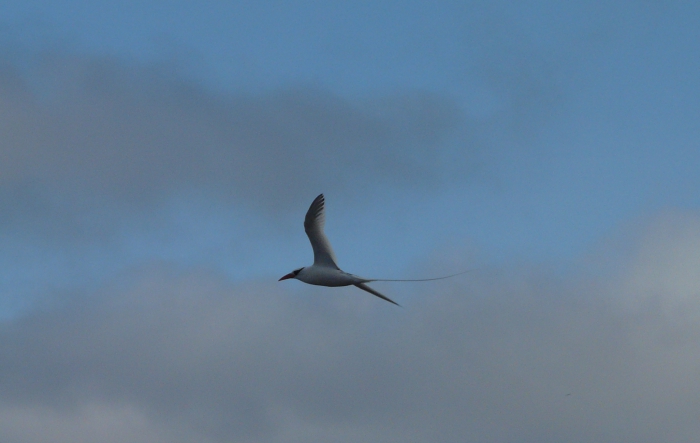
x=325, y=271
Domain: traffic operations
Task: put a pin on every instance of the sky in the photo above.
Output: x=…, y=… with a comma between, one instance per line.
x=157, y=159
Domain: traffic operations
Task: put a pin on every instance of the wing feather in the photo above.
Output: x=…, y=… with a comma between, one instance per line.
x=313, y=225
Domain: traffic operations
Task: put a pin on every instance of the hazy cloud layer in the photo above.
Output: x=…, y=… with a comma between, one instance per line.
x=95, y=127
x=489, y=357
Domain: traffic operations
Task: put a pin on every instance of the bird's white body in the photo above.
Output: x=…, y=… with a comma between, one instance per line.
x=327, y=276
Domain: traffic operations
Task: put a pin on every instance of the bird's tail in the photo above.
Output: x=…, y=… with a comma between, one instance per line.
x=364, y=287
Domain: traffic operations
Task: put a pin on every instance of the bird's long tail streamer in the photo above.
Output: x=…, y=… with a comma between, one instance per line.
x=423, y=279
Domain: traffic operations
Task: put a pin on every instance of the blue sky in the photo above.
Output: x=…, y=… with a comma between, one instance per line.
x=528, y=139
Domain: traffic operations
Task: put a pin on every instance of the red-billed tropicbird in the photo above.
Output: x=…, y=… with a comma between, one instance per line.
x=325, y=271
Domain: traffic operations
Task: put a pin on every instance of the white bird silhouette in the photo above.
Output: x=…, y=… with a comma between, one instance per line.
x=325, y=271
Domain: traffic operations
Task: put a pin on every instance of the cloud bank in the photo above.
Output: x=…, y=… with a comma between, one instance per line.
x=85, y=127
x=189, y=356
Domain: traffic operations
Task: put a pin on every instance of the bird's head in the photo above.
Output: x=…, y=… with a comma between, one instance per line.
x=292, y=274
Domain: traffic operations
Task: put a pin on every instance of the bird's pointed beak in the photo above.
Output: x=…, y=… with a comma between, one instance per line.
x=290, y=275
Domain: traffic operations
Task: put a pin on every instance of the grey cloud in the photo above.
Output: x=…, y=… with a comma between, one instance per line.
x=97, y=127
x=89, y=423
x=490, y=357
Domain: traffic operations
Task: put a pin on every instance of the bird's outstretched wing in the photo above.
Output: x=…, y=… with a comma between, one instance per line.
x=364, y=287
x=313, y=225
